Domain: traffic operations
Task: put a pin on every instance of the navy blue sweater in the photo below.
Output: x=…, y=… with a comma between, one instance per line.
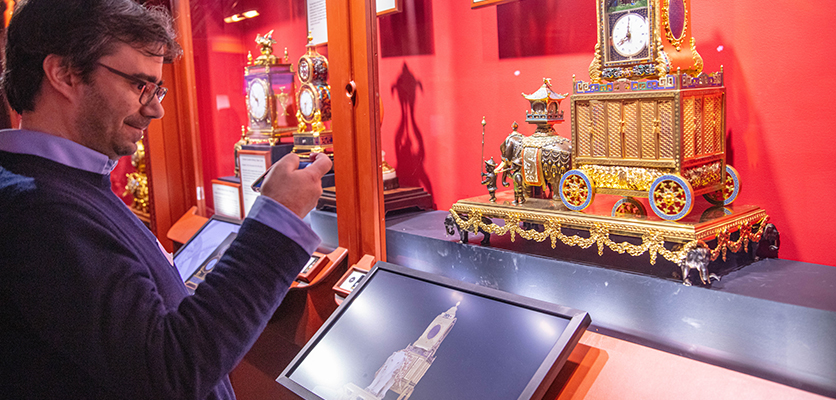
x=90, y=307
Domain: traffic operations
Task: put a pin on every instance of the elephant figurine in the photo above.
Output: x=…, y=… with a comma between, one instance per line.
x=769, y=244
x=542, y=159
x=697, y=259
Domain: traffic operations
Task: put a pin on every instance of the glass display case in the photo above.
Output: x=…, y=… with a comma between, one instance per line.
x=417, y=82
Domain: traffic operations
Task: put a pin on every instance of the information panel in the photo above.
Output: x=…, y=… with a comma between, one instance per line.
x=423, y=336
x=252, y=165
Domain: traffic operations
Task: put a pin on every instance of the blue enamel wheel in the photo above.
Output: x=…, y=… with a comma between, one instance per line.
x=576, y=190
x=628, y=206
x=671, y=197
x=729, y=191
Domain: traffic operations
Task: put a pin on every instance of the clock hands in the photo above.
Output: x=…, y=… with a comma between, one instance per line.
x=626, y=38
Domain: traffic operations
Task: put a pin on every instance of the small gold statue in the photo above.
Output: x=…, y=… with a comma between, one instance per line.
x=390, y=176
x=302, y=127
x=137, y=184
x=237, y=147
x=317, y=126
x=266, y=42
x=283, y=99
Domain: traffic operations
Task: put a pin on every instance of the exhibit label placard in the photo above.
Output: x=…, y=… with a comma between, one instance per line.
x=227, y=198
x=253, y=164
x=317, y=21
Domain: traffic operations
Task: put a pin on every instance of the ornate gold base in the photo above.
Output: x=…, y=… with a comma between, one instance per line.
x=271, y=137
x=702, y=225
x=305, y=143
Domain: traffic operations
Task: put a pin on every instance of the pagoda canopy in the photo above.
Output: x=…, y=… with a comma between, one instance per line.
x=545, y=107
x=545, y=93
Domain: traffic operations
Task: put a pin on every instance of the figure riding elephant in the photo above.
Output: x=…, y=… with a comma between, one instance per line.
x=541, y=160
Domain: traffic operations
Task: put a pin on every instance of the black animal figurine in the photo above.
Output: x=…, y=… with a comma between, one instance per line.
x=769, y=244
x=697, y=259
x=451, y=227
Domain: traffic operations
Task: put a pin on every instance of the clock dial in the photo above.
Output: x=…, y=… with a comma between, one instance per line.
x=306, y=103
x=304, y=70
x=630, y=34
x=257, y=99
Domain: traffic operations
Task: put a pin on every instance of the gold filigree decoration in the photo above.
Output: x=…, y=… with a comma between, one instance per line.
x=704, y=175
x=617, y=177
x=653, y=242
x=284, y=101
x=317, y=127
x=663, y=63
x=676, y=42
x=595, y=66
x=724, y=242
x=302, y=127
x=697, y=57
x=539, y=142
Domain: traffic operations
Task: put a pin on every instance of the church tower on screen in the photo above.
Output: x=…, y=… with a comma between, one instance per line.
x=404, y=368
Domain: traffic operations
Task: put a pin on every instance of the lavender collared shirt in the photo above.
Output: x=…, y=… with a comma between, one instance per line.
x=265, y=210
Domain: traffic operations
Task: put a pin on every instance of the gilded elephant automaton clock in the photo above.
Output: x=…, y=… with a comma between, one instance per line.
x=647, y=129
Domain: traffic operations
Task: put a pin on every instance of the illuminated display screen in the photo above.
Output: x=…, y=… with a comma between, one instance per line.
x=403, y=330
x=195, y=253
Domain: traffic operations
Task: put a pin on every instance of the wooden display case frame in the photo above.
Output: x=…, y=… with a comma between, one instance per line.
x=175, y=150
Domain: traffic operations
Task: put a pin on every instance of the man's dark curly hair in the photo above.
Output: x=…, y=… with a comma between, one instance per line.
x=80, y=32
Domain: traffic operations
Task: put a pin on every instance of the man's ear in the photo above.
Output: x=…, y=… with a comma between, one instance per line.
x=60, y=77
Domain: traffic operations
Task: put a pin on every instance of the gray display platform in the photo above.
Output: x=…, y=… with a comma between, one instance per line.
x=775, y=319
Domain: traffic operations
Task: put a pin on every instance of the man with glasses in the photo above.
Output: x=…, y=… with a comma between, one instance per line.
x=90, y=304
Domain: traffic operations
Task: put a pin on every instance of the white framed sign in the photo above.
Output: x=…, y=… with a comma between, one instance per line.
x=227, y=198
x=385, y=7
x=317, y=21
x=253, y=164
x=483, y=3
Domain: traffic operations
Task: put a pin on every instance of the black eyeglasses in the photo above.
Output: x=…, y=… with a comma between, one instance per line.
x=147, y=90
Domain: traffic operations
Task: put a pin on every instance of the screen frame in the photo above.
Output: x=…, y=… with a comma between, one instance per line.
x=215, y=217
x=539, y=382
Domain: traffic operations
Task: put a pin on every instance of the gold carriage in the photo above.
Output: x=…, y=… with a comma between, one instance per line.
x=660, y=138
x=663, y=139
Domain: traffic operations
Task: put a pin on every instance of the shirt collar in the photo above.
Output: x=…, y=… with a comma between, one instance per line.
x=57, y=149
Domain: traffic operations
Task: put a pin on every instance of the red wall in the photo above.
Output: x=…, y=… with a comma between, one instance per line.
x=779, y=126
x=220, y=57
x=443, y=66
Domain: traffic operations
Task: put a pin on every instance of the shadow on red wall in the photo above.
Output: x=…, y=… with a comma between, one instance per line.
x=409, y=142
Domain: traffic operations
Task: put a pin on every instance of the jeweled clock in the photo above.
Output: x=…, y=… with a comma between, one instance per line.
x=314, y=100
x=643, y=39
x=268, y=83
